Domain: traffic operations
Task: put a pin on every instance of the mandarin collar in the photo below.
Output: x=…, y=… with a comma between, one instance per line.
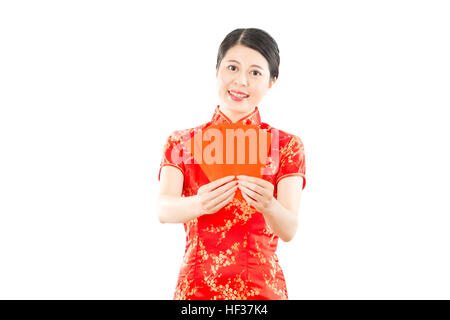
x=252, y=118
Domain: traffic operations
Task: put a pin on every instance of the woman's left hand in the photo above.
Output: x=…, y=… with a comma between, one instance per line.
x=257, y=192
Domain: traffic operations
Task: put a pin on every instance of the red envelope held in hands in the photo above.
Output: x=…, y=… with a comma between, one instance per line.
x=231, y=149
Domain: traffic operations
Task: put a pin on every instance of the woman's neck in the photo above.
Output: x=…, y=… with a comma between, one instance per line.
x=234, y=116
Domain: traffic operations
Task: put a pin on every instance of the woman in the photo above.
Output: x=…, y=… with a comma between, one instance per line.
x=230, y=241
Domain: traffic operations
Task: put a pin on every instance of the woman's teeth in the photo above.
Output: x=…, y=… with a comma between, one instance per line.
x=238, y=95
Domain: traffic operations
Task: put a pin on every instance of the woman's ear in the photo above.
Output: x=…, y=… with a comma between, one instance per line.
x=272, y=82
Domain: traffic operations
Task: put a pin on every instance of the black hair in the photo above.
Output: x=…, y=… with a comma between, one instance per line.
x=255, y=39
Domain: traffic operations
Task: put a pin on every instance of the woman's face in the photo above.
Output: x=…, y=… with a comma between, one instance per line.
x=244, y=70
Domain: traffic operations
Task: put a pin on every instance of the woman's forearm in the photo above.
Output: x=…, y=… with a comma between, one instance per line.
x=173, y=209
x=282, y=222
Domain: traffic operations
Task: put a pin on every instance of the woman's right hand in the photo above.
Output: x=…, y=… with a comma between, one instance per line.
x=211, y=198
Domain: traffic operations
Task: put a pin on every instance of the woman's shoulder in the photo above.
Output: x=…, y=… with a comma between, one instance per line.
x=180, y=135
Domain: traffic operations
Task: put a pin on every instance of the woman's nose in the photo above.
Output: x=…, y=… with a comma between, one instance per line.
x=241, y=79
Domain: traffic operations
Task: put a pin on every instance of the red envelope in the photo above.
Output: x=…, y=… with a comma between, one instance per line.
x=231, y=149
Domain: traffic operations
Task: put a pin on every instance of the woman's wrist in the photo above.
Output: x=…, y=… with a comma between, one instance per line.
x=197, y=206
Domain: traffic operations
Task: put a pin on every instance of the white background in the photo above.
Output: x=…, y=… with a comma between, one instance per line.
x=90, y=90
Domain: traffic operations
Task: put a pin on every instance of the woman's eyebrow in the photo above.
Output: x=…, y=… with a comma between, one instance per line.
x=253, y=65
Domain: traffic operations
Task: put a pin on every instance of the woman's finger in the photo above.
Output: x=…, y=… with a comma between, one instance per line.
x=251, y=193
x=223, y=203
x=221, y=190
x=261, y=182
x=218, y=182
x=221, y=197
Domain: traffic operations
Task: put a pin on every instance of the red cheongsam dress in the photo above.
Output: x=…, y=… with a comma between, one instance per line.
x=230, y=255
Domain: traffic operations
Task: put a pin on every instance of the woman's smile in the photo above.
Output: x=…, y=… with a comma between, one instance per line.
x=237, y=97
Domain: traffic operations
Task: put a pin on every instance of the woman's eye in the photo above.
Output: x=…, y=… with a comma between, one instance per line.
x=231, y=66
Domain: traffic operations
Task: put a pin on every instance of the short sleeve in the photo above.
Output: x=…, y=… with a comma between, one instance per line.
x=292, y=160
x=172, y=154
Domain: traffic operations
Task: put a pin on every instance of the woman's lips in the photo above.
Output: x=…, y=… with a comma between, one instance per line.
x=239, y=92
x=235, y=98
